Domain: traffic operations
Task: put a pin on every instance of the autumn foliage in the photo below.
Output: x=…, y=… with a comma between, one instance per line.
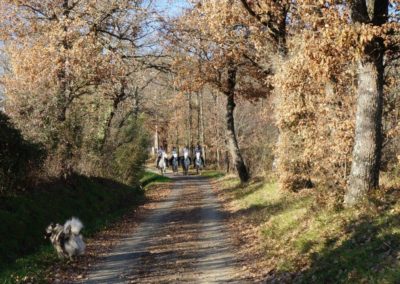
x=305, y=60
x=296, y=88
x=68, y=63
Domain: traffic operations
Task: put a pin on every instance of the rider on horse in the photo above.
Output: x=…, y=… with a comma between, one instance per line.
x=186, y=160
x=160, y=153
x=174, y=158
x=198, y=153
x=174, y=153
x=198, y=160
x=186, y=152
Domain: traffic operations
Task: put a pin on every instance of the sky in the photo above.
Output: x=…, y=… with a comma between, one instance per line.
x=167, y=9
x=172, y=8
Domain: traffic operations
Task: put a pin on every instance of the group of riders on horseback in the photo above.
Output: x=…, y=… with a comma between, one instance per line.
x=163, y=161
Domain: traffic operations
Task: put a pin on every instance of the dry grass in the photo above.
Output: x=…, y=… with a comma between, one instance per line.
x=286, y=237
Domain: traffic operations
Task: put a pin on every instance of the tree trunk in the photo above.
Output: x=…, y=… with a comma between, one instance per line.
x=119, y=97
x=107, y=129
x=136, y=103
x=217, y=134
x=156, y=141
x=364, y=173
x=233, y=145
x=63, y=101
x=198, y=116
x=218, y=159
x=190, y=124
x=202, y=138
x=227, y=159
x=176, y=129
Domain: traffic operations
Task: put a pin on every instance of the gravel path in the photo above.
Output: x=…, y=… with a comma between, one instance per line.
x=183, y=239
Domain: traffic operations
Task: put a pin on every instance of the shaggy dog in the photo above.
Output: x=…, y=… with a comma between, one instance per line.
x=67, y=239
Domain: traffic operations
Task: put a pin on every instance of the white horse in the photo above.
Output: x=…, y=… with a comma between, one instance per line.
x=162, y=165
x=198, y=163
x=186, y=162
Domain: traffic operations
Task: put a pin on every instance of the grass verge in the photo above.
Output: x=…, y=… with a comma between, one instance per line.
x=25, y=255
x=304, y=243
x=152, y=178
x=214, y=174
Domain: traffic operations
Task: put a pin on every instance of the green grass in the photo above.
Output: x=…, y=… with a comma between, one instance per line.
x=213, y=174
x=23, y=250
x=32, y=267
x=153, y=178
x=321, y=245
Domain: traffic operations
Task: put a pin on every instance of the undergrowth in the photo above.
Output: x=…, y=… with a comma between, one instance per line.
x=307, y=243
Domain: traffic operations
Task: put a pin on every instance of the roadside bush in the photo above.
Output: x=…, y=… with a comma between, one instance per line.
x=127, y=155
x=24, y=217
x=19, y=158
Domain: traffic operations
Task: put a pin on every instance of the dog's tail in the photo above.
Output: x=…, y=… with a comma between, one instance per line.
x=74, y=226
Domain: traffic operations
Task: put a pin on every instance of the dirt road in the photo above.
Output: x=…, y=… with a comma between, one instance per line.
x=183, y=239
